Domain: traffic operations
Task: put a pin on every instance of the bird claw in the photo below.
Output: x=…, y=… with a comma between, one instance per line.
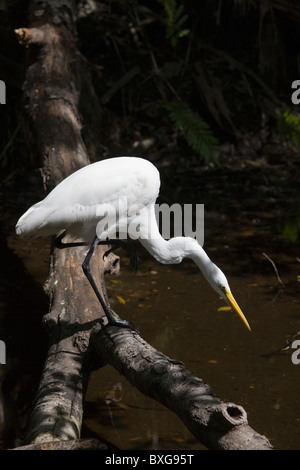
x=121, y=324
x=112, y=321
x=129, y=247
x=106, y=253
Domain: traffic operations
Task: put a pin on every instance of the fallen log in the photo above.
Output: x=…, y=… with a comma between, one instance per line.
x=216, y=424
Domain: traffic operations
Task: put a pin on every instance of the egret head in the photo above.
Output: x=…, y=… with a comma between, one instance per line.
x=219, y=283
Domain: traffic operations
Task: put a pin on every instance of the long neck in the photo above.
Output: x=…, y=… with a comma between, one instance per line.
x=152, y=240
x=174, y=250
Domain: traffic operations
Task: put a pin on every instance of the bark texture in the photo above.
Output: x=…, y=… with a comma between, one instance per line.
x=51, y=100
x=217, y=425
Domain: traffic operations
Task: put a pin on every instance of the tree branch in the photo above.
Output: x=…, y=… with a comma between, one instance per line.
x=215, y=424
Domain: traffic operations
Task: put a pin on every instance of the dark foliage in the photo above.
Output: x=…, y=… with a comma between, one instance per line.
x=231, y=65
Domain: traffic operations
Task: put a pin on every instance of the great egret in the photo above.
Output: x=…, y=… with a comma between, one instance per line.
x=101, y=191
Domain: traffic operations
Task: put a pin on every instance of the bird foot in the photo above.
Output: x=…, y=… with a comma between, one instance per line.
x=112, y=321
x=58, y=242
x=121, y=324
x=128, y=246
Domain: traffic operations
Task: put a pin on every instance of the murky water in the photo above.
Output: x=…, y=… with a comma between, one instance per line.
x=177, y=312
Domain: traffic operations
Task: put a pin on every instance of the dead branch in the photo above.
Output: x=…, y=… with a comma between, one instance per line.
x=275, y=269
x=215, y=424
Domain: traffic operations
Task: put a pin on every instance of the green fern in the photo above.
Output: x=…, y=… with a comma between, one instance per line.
x=289, y=127
x=175, y=20
x=196, y=131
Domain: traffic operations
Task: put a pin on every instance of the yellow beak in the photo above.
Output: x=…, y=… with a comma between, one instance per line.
x=233, y=304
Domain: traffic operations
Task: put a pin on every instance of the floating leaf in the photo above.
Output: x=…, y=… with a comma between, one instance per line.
x=122, y=406
x=121, y=300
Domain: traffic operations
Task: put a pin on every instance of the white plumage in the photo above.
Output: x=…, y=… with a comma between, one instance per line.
x=113, y=190
x=73, y=203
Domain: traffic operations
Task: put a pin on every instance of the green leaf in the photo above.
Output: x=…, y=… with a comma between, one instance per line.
x=196, y=131
x=289, y=127
x=174, y=19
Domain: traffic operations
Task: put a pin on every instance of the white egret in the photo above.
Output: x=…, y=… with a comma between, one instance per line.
x=111, y=190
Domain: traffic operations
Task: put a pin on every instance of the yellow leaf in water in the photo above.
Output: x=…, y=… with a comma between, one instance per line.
x=223, y=309
x=116, y=281
x=121, y=300
x=178, y=439
x=122, y=406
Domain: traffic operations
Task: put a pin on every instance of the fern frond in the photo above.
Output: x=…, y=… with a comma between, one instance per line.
x=175, y=20
x=196, y=131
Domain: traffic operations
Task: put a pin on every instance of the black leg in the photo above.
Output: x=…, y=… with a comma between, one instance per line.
x=87, y=271
x=128, y=245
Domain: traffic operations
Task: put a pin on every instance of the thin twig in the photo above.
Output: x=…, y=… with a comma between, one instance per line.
x=275, y=269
